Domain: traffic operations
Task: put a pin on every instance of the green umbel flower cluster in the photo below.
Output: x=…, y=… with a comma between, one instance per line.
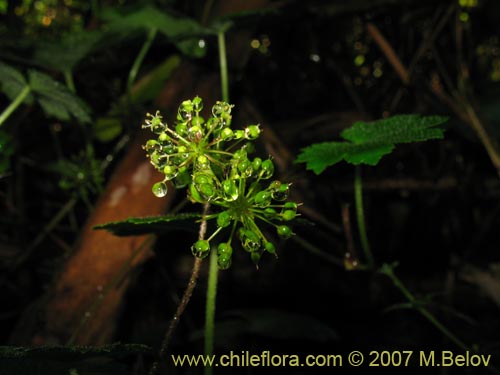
x=198, y=155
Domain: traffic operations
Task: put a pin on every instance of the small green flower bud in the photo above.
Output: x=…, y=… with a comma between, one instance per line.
x=270, y=213
x=202, y=178
x=288, y=215
x=197, y=121
x=269, y=247
x=202, y=162
x=164, y=137
x=185, y=111
x=170, y=172
x=255, y=255
x=226, y=134
x=240, y=154
x=197, y=104
x=263, y=198
x=223, y=219
x=200, y=248
x=245, y=167
x=249, y=240
x=281, y=193
x=239, y=134
x=224, y=261
x=151, y=146
x=181, y=128
x=169, y=147
x=207, y=190
x=195, y=133
x=252, y=132
x=267, y=169
x=224, y=249
x=256, y=164
x=290, y=206
x=284, y=231
x=229, y=190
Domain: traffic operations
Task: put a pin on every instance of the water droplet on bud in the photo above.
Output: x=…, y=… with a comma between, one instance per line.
x=160, y=189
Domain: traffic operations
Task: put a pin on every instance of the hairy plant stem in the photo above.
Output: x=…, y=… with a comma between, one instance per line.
x=15, y=103
x=388, y=271
x=140, y=58
x=360, y=214
x=186, y=297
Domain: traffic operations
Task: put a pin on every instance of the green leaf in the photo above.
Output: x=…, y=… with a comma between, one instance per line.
x=65, y=54
x=56, y=100
x=368, y=142
x=156, y=224
x=106, y=129
x=179, y=29
x=12, y=82
x=83, y=360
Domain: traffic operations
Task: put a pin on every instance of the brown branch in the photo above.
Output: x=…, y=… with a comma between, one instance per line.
x=461, y=107
x=185, y=298
x=389, y=53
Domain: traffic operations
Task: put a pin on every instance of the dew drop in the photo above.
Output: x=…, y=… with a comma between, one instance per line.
x=160, y=189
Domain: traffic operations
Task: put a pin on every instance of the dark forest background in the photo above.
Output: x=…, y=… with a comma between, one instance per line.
x=305, y=70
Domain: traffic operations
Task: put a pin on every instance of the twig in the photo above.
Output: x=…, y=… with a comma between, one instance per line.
x=468, y=115
x=186, y=297
x=389, y=52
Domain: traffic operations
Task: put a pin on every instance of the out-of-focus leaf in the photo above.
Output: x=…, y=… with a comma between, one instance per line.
x=156, y=224
x=183, y=31
x=148, y=17
x=106, y=129
x=55, y=98
x=83, y=360
x=12, y=82
x=6, y=150
x=65, y=54
x=146, y=89
x=274, y=324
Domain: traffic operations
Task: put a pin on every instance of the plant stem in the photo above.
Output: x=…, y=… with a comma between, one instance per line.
x=140, y=58
x=223, y=66
x=70, y=83
x=16, y=103
x=210, y=307
x=358, y=199
x=388, y=270
x=186, y=297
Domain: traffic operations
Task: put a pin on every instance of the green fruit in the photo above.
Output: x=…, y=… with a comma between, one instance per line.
x=224, y=261
x=223, y=219
x=267, y=169
x=200, y=248
x=284, y=231
x=229, y=190
x=270, y=248
x=252, y=132
x=224, y=249
x=289, y=215
x=263, y=198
